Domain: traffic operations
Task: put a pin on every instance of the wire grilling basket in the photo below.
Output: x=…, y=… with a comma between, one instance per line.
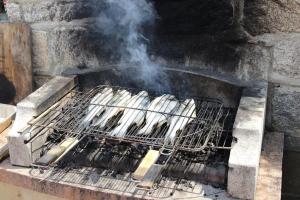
x=202, y=131
x=207, y=130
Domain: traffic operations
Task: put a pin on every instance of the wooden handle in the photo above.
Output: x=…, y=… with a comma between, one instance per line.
x=150, y=158
x=55, y=152
x=151, y=176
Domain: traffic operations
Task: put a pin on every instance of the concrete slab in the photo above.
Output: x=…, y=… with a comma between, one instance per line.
x=19, y=193
x=81, y=184
x=245, y=154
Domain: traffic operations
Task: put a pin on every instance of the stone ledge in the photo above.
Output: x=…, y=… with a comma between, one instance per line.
x=46, y=95
x=23, y=177
x=30, y=107
x=245, y=152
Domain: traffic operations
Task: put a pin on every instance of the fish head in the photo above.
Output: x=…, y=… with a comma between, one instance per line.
x=189, y=102
x=191, y=106
x=107, y=90
x=168, y=97
x=143, y=94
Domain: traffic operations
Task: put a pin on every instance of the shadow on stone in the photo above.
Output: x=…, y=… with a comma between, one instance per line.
x=7, y=90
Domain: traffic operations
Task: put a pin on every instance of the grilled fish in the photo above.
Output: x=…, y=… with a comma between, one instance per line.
x=119, y=99
x=132, y=115
x=93, y=110
x=166, y=104
x=187, y=112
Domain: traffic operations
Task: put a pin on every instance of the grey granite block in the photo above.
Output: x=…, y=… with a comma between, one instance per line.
x=29, y=108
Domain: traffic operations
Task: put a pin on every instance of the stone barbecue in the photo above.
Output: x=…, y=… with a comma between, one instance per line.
x=221, y=165
x=232, y=53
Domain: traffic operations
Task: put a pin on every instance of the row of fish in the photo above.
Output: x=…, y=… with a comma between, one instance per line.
x=106, y=105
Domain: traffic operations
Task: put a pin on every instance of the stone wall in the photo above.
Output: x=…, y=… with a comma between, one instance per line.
x=60, y=45
x=33, y=11
x=270, y=16
x=62, y=33
x=285, y=78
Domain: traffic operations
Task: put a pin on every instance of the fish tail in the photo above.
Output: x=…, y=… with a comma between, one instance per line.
x=145, y=130
x=84, y=124
x=116, y=131
x=102, y=123
x=172, y=140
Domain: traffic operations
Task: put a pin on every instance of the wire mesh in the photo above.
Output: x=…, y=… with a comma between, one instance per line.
x=203, y=140
x=198, y=132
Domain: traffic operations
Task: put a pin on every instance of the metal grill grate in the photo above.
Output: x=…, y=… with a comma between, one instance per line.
x=203, y=131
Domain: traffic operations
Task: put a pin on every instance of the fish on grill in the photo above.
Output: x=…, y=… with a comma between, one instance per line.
x=185, y=113
x=101, y=98
x=157, y=113
x=120, y=99
x=133, y=115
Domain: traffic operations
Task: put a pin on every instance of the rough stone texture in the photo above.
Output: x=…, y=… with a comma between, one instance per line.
x=255, y=62
x=58, y=46
x=261, y=16
x=270, y=16
x=51, y=10
x=286, y=56
x=249, y=62
x=286, y=109
x=40, y=51
x=285, y=74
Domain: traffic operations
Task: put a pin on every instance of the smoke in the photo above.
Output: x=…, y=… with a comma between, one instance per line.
x=123, y=22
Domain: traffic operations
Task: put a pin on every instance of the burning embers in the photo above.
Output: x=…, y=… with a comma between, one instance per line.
x=129, y=131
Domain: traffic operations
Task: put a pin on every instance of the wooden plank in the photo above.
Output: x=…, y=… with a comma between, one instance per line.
x=56, y=152
x=69, y=148
x=7, y=113
x=150, y=158
x=150, y=177
x=4, y=143
x=15, y=62
x=4, y=124
x=270, y=169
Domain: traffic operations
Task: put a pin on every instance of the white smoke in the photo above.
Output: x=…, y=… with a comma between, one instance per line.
x=122, y=21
